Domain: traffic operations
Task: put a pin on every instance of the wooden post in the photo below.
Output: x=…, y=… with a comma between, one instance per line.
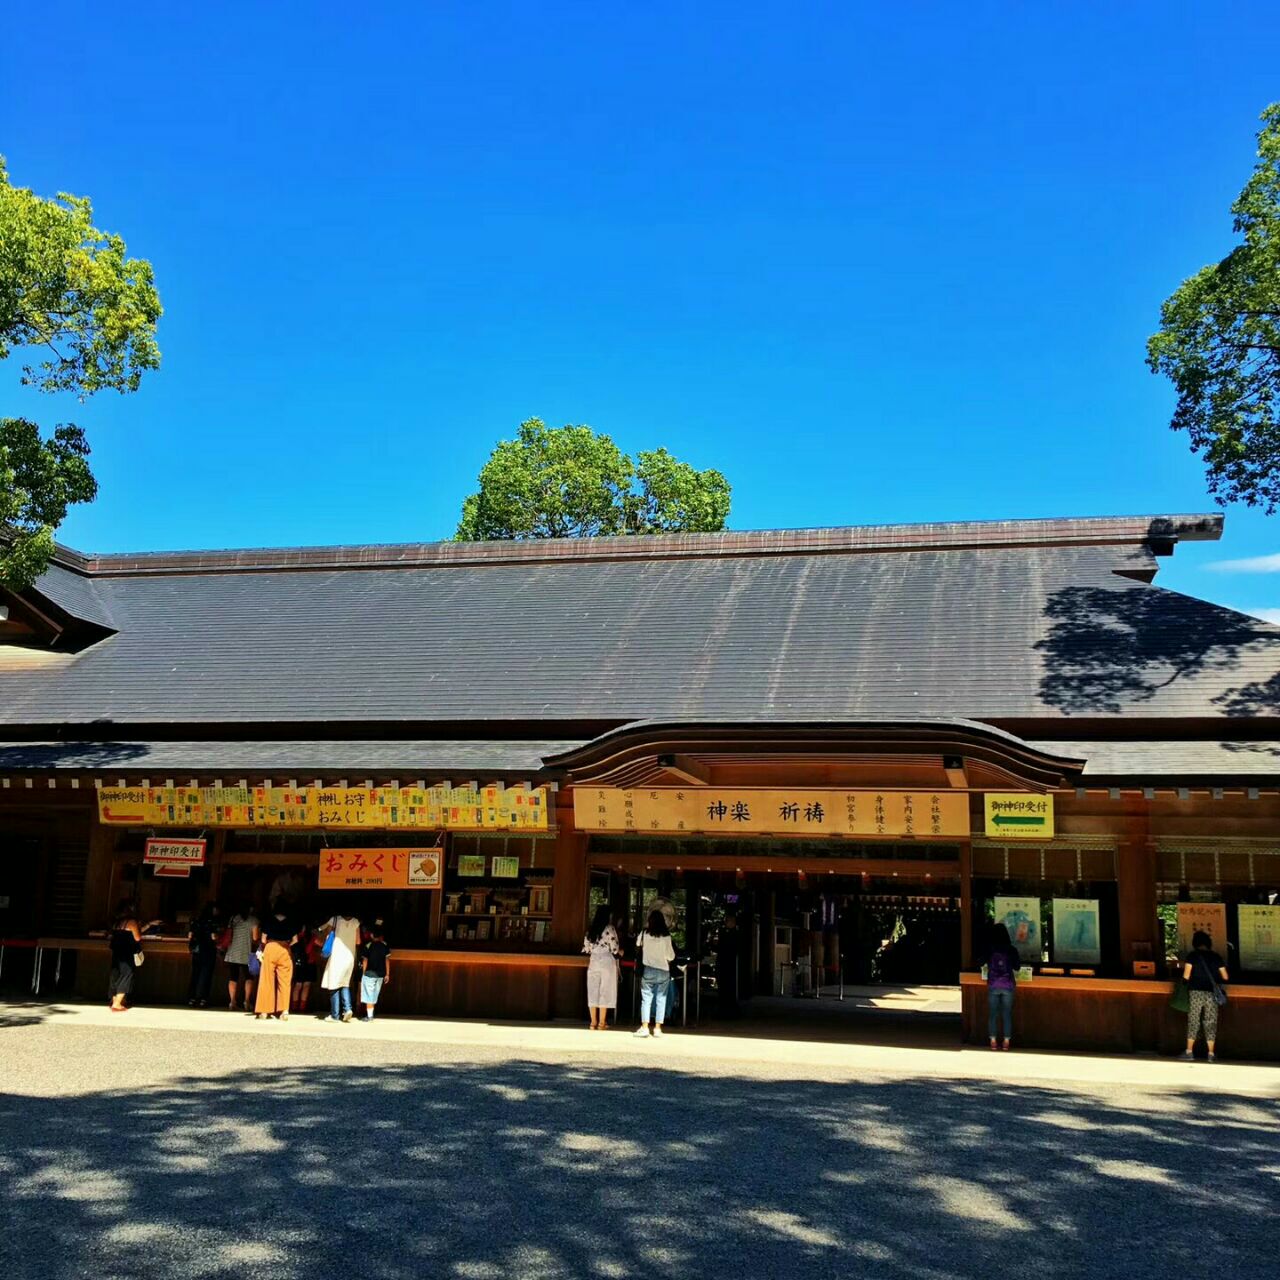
x=1136, y=884
x=966, y=905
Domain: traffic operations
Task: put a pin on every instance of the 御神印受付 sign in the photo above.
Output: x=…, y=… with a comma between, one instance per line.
x=1018, y=816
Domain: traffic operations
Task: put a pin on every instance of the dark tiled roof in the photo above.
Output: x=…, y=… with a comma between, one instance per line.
x=1166, y=759
x=411, y=759
x=1009, y=629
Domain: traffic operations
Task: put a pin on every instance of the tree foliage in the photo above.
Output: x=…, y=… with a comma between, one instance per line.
x=84, y=315
x=39, y=480
x=1219, y=343
x=69, y=297
x=570, y=482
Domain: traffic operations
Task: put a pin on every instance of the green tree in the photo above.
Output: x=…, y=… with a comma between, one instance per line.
x=39, y=479
x=570, y=482
x=84, y=316
x=1219, y=343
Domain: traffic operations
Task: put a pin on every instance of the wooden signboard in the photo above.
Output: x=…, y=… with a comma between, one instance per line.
x=779, y=812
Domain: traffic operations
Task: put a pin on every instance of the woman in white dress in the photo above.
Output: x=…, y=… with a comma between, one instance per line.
x=340, y=966
x=601, y=944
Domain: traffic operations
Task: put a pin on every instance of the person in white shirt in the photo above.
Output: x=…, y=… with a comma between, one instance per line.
x=601, y=944
x=655, y=952
x=340, y=965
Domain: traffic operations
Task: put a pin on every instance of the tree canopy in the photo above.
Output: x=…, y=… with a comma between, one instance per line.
x=39, y=480
x=570, y=482
x=1219, y=344
x=84, y=317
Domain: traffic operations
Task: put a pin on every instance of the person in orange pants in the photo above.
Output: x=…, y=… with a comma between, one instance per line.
x=277, y=934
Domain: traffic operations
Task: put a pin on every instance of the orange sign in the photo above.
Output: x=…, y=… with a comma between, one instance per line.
x=381, y=868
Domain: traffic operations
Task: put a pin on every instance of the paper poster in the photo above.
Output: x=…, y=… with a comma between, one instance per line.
x=426, y=868
x=1076, y=936
x=1259, y=937
x=1211, y=917
x=506, y=868
x=471, y=864
x=1021, y=916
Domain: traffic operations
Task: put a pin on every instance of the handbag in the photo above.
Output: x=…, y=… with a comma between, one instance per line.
x=1180, y=1000
x=327, y=950
x=224, y=939
x=1219, y=995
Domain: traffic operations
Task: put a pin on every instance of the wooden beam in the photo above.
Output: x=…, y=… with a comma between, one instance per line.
x=686, y=769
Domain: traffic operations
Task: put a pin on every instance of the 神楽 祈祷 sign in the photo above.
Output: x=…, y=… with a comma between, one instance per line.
x=1018, y=816
x=381, y=868
x=184, y=853
x=777, y=812
x=345, y=808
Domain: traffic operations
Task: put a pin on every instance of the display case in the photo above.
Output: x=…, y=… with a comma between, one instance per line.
x=497, y=892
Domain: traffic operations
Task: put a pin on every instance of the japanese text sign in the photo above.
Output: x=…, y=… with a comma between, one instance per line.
x=1018, y=816
x=190, y=853
x=346, y=808
x=381, y=868
x=791, y=812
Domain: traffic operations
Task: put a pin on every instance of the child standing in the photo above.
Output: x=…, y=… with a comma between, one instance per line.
x=375, y=969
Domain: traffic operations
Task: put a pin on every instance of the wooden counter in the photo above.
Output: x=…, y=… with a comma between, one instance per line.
x=454, y=983
x=1122, y=1014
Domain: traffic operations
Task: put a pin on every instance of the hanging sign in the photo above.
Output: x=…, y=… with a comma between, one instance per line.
x=381, y=868
x=1259, y=937
x=346, y=808
x=1076, y=937
x=189, y=853
x=172, y=870
x=1018, y=816
x=790, y=812
x=1206, y=917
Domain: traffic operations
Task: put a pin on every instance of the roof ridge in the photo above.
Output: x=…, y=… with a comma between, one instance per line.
x=1158, y=531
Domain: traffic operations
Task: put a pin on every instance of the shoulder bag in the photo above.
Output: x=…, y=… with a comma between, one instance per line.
x=1219, y=995
x=327, y=949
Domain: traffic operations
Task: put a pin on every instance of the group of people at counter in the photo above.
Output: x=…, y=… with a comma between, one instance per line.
x=1199, y=990
x=273, y=959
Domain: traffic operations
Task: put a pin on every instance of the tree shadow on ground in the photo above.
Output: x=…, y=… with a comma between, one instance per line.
x=524, y=1169
x=1110, y=649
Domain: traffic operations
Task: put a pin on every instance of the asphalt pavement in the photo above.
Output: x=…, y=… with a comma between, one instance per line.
x=195, y=1148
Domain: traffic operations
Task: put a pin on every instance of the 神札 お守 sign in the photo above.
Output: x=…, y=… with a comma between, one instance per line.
x=790, y=812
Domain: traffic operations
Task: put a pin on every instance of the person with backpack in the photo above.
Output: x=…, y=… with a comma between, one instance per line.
x=1003, y=963
x=654, y=953
x=1203, y=971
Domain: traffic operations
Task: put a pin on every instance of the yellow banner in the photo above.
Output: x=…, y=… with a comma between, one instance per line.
x=789, y=812
x=345, y=808
x=1018, y=815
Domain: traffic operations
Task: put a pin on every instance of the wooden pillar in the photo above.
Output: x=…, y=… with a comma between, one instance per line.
x=966, y=905
x=97, y=888
x=1136, y=885
x=569, y=894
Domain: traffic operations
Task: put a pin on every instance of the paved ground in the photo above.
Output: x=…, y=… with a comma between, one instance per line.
x=167, y=1143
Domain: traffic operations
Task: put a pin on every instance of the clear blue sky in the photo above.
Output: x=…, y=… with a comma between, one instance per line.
x=876, y=262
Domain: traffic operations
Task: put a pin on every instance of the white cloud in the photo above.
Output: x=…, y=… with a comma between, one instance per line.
x=1253, y=564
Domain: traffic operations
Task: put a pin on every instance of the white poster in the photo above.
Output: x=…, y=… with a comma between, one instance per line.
x=1076, y=936
x=1021, y=916
x=1259, y=937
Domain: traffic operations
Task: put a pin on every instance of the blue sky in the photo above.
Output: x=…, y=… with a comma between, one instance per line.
x=877, y=263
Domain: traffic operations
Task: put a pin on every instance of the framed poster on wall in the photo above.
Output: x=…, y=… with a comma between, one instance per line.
x=1259, y=937
x=1077, y=938
x=1021, y=916
x=1207, y=917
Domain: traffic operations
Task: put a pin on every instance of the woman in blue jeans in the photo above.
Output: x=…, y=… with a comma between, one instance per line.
x=1002, y=967
x=655, y=952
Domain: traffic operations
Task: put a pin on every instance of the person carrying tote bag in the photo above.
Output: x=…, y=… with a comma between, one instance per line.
x=1201, y=972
